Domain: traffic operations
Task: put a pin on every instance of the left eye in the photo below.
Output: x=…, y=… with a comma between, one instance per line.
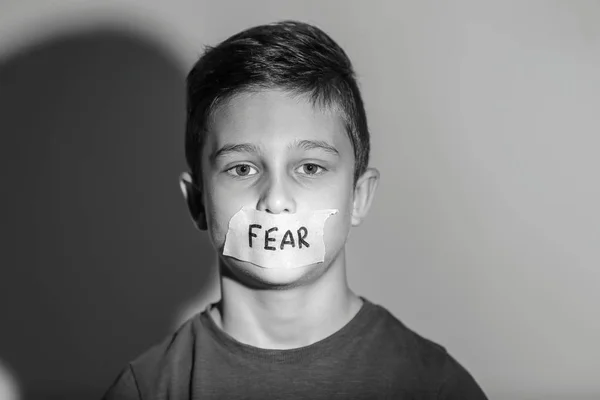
x=310, y=169
x=242, y=170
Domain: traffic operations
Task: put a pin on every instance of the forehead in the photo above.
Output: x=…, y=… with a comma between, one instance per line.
x=273, y=119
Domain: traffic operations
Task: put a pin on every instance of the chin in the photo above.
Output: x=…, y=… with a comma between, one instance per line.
x=271, y=278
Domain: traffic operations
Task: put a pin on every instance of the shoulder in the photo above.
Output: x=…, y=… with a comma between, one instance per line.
x=172, y=357
x=402, y=340
x=457, y=383
x=428, y=361
x=174, y=348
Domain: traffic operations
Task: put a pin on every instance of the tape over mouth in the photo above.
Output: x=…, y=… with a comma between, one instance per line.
x=277, y=241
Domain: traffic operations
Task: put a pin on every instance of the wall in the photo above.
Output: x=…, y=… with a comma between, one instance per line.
x=485, y=235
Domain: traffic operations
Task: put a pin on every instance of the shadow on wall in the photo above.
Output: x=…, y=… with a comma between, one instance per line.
x=98, y=251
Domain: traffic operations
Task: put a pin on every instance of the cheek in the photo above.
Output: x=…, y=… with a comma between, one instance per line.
x=220, y=208
x=337, y=227
x=335, y=235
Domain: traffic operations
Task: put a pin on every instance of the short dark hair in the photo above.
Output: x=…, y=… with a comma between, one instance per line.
x=289, y=55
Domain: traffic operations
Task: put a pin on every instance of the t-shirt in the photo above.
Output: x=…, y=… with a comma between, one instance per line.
x=373, y=356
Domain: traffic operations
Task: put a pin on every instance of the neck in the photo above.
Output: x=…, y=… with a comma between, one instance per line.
x=287, y=318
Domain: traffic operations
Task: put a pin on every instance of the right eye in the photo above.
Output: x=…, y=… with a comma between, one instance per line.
x=242, y=170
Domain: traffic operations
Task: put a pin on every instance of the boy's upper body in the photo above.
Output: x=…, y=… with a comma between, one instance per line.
x=276, y=124
x=374, y=356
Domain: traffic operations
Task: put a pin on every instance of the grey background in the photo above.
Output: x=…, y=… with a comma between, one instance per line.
x=484, y=236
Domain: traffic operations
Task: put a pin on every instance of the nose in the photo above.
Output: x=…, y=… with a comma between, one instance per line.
x=276, y=198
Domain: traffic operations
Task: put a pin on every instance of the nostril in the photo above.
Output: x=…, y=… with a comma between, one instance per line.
x=275, y=211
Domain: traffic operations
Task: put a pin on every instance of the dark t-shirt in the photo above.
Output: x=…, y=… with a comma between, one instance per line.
x=373, y=356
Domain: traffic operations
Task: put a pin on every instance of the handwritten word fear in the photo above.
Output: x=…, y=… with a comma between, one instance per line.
x=288, y=237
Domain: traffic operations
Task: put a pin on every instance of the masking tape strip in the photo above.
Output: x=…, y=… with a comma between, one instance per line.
x=278, y=241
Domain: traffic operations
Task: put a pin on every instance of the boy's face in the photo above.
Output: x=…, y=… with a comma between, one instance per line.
x=277, y=154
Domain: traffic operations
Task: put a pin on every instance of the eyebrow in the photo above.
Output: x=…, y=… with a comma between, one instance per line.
x=251, y=148
x=235, y=148
x=316, y=144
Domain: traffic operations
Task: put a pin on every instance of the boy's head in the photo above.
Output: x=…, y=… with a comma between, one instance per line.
x=291, y=56
x=275, y=121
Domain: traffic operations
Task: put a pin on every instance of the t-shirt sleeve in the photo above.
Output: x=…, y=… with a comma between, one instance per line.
x=458, y=384
x=124, y=387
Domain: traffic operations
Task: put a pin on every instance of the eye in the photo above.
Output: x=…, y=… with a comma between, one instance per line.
x=310, y=169
x=242, y=170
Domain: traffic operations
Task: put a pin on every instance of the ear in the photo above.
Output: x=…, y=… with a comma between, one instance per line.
x=193, y=197
x=364, y=192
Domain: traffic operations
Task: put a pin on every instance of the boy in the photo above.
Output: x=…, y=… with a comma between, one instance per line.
x=277, y=145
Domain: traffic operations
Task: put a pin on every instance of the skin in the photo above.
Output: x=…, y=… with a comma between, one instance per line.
x=279, y=154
